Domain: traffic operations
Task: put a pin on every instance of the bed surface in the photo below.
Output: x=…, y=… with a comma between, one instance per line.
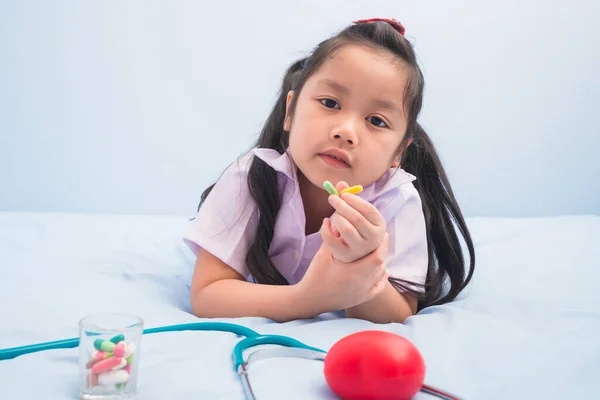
x=527, y=328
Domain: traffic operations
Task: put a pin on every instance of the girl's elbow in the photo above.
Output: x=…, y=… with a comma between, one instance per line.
x=198, y=304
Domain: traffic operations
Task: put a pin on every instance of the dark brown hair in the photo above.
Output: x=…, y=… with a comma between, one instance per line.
x=447, y=273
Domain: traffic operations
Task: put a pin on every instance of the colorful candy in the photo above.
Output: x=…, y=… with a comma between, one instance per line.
x=107, y=346
x=110, y=364
x=119, y=350
x=113, y=377
x=122, y=364
x=330, y=188
x=356, y=189
x=117, y=339
x=129, y=350
x=333, y=191
x=104, y=345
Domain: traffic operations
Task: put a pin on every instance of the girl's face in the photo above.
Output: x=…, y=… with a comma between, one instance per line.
x=349, y=119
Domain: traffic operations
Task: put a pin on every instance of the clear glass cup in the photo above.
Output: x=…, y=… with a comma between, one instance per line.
x=109, y=356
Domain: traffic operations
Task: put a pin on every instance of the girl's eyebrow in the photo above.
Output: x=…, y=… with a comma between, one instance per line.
x=338, y=87
x=386, y=105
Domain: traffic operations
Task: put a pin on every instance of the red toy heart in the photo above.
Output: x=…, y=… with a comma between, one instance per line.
x=373, y=365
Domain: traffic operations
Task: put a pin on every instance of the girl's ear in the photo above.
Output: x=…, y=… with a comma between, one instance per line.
x=396, y=162
x=287, y=121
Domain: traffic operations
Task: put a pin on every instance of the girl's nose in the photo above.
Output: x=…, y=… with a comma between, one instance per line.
x=346, y=132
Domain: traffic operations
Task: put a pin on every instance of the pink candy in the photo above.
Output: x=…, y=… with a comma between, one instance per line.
x=105, y=365
x=119, y=350
x=110, y=368
x=122, y=364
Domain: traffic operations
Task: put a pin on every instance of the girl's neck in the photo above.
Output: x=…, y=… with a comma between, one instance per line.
x=315, y=202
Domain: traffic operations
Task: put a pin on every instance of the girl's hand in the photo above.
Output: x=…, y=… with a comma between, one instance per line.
x=331, y=285
x=356, y=228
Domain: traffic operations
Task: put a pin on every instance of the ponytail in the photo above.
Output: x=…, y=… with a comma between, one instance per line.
x=441, y=209
x=264, y=188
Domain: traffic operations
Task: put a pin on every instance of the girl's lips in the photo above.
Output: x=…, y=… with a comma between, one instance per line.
x=333, y=162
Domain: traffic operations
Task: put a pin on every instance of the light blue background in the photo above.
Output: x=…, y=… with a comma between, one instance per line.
x=136, y=106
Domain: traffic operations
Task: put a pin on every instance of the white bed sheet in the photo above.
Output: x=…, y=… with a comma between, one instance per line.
x=527, y=328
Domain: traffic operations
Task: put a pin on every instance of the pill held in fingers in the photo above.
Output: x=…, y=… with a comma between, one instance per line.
x=332, y=190
x=356, y=189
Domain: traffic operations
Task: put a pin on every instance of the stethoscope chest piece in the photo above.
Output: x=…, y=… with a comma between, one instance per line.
x=369, y=364
x=288, y=347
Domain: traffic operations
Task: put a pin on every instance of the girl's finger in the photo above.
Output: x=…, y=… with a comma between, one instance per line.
x=362, y=225
x=326, y=232
x=329, y=238
x=336, y=233
x=347, y=232
x=366, y=209
x=341, y=185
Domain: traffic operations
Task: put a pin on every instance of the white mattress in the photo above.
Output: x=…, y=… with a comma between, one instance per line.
x=527, y=328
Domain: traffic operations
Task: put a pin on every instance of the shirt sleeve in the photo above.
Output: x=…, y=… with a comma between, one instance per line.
x=407, y=247
x=227, y=219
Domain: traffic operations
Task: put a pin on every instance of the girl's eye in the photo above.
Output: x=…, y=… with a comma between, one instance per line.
x=329, y=103
x=378, y=122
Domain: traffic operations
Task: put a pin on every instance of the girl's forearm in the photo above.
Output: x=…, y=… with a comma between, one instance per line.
x=389, y=306
x=232, y=298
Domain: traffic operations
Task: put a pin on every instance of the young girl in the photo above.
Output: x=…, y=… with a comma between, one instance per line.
x=271, y=242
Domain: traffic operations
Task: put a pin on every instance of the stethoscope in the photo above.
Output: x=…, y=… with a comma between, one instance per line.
x=289, y=347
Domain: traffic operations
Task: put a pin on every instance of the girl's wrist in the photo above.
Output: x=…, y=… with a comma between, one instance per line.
x=308, y=304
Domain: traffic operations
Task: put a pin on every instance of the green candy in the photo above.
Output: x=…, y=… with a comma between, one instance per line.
x=120, y=386
x=130, y=360
x=98, y=344
x=107, y=346
x=330, y=188
x=117, y=339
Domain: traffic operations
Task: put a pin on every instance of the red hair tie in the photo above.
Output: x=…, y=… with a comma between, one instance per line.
x=393, y=22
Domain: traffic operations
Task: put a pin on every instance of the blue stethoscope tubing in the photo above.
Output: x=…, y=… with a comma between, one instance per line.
x=6, y=354
x=252, y=338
